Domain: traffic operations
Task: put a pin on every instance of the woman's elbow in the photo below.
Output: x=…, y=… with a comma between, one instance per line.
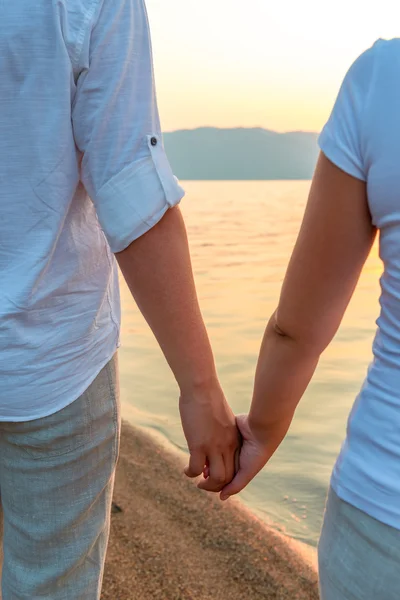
x=312, y=337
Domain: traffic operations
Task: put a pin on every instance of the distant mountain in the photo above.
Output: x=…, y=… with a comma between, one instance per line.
x=210, y=153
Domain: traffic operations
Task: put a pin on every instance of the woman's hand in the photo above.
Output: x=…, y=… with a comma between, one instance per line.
x=259, y=444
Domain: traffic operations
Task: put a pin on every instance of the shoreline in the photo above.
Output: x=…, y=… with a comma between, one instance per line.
x=138, y=421
x=172, y=541
x=307, y=551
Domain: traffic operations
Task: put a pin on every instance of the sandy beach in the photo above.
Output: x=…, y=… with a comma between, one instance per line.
x=172, y=542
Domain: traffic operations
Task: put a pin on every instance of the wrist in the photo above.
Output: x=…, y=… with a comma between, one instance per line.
x=269, y=431
x=199, y=384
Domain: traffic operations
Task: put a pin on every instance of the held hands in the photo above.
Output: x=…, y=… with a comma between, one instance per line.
x=210, y=429
x=228, y=452
x=259, y=444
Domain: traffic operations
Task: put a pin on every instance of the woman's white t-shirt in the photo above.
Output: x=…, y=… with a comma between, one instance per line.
x=362, y=137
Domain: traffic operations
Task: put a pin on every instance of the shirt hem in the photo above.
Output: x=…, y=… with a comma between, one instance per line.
x=55, y=409
x=361, y=503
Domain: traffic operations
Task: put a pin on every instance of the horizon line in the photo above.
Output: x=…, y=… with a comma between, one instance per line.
x=239, y=127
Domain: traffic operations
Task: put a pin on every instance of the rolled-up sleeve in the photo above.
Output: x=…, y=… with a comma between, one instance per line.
x=117, y=128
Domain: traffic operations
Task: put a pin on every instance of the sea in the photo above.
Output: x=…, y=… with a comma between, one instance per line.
x=241, y=237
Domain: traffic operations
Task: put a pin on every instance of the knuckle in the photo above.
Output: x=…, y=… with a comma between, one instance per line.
x=214, y=488
x=235, y=437
x=218, y=449
x=219, y=479
x=195, y=470
x=199, y=448
x=233, y=444
x=231, y=440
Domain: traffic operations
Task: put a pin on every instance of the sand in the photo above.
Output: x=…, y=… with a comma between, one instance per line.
x=174, y=542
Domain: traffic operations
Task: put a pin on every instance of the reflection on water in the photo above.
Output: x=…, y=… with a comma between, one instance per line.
x=241, y=236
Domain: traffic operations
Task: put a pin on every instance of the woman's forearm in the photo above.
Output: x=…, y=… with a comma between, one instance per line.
x=284, y=370
x=285, y=367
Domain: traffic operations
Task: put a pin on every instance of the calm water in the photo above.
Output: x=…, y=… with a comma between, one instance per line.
x=241, y=236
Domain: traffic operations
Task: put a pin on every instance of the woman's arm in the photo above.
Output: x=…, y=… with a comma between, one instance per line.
x=334, y=242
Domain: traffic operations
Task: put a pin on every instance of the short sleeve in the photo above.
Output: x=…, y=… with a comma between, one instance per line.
x=342, y=139
x=116, y=126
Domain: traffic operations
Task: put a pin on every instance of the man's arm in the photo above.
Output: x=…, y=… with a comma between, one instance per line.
x=126, y=173
x=158, y=271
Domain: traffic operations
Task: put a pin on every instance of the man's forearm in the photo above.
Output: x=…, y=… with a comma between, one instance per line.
x=158, y=271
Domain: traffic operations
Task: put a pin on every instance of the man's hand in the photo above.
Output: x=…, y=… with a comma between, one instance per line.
x=212, y=436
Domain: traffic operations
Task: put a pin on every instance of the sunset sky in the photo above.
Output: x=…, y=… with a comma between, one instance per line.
x=278, y=65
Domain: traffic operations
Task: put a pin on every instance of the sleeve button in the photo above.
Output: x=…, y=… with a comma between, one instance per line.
x=153, y=141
